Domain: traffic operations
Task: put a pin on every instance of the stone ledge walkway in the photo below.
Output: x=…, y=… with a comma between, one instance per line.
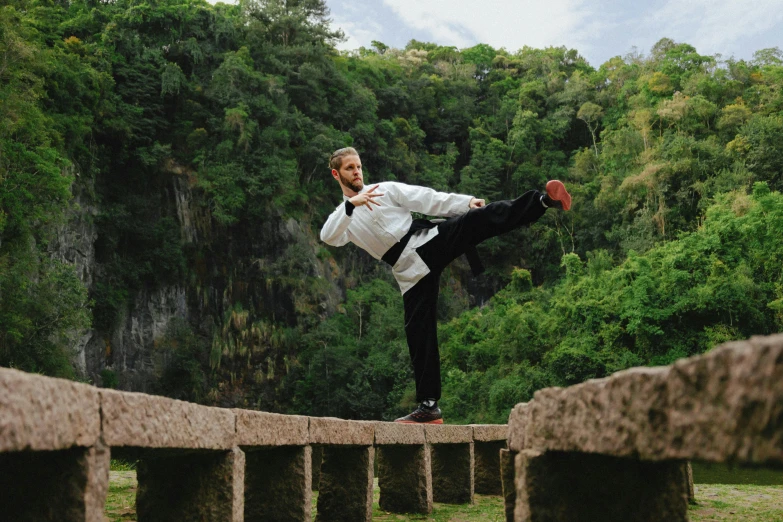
x=616, y=449
x=204, y=463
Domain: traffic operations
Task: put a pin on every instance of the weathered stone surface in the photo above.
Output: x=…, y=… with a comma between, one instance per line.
x=447, y=434
x=405, y=478
x=507, y=476
x=328, y=430
x=691, y=493
x=452, y=473
x=489, y=432
x=204, y=486
x=397, y=433
x=237, y=489
x=42, y=413
x=579, y=487
x=518, y=422
x=487, y=467
x=148, y=421
x=95, y=465
x=345, y=492
x=256, y=428
x=726, y=405
x=66, y=485
x=278, y=484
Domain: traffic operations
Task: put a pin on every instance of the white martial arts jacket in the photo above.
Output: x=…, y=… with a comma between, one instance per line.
x=378, y=230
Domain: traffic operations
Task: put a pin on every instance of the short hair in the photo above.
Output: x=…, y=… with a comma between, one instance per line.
x=336, y=161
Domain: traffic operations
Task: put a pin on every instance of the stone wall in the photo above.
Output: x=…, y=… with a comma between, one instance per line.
x=617, y=449
x=202, y=463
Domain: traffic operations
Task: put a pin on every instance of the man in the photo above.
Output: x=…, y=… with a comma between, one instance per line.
x=378, y=219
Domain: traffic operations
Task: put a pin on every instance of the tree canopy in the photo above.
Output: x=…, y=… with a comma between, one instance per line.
x=673, y=159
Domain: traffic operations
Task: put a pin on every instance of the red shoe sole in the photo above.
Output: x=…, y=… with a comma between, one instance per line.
x=439, y=421
x=557, y=191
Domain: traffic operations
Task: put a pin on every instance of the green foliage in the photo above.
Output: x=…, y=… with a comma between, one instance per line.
x=180, y=362
x=109, y=378
x=674, y=162
x=720, y=282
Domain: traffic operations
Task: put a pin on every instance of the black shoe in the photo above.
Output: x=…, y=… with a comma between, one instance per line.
x=423, y=415
x=557, y=196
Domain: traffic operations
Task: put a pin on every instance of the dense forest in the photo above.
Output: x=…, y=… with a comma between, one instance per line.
x=193, y=140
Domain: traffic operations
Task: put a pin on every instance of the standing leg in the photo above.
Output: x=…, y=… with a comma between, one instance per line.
x=421, y=329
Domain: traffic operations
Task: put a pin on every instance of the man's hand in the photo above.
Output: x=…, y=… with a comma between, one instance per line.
x=476, y=203
x=366, y=198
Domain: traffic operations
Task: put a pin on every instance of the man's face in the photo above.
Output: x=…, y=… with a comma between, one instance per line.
x=350, y=174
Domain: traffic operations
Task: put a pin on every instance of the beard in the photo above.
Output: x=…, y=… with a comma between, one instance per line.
x=356, y=186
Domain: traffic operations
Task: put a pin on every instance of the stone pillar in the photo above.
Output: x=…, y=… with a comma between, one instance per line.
x=205, y=486
x=405, y=478
x=487, y=467
x=452, y=473
x=345, y=492
x=582, y=487
x=318, y=457
x=507, y=475
x=689, y=474
x=66, y=485
x=452, y=462
x=278, y=484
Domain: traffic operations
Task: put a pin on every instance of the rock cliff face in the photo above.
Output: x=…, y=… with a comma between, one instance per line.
x=74, y=243
x=247, y=270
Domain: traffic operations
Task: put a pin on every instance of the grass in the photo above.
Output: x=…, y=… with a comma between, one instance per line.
x=713, y=502
x=737, y=502
x=121, y=500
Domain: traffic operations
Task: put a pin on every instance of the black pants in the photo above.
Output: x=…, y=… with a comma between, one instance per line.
x=421, y=302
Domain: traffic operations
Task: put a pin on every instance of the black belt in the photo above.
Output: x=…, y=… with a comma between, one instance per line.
x=393, y=254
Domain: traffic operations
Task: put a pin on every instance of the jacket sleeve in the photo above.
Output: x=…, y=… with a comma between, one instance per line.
x=427, y=201
x=335, y=230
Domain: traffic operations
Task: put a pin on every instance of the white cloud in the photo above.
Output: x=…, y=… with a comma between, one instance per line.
x=501, y=23
x=357, y=34
x=712, y=26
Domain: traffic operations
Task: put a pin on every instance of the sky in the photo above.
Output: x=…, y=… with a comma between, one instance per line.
x=598, y=29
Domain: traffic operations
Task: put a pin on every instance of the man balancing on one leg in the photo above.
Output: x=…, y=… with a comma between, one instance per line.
x=378, y=219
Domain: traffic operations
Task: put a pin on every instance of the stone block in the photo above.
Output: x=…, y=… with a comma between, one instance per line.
x=452, y=473
x=609, y=416
x=489, y=432
x=148, y=421
x=65, y=485
x=387, y=433
x=257, y=428
x=580, y=487
x=487, y=467
x=689, y=475
x=405, y=478
x=43, y=413
x=345, y=492
x=328, y=430
x=518, y=423
x=507, y=476
x=206, y=486
x=448, y=434
x=724, y=406
x=727, y=405
x=278, y=484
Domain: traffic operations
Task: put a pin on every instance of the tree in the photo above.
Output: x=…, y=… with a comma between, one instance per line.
x=591, y=113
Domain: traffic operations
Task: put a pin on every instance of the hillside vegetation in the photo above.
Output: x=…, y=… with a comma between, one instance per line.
x=674, y=159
